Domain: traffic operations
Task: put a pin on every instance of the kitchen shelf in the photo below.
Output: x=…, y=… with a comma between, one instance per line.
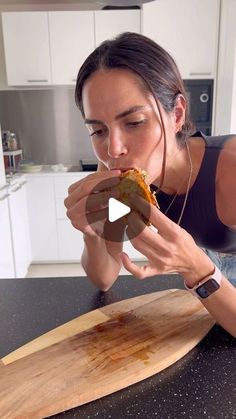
x=13, y=153
x=13, y=158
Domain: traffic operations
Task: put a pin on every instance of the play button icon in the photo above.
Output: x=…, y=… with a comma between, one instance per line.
x=107, y=217
x=116, y=210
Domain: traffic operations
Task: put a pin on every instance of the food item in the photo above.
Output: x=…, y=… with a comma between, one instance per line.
x=135, y=181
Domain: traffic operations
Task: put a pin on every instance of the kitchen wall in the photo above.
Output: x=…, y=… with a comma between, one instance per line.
x=48, y=124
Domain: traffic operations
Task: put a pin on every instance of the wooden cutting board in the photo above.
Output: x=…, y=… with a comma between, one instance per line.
x=100, y=352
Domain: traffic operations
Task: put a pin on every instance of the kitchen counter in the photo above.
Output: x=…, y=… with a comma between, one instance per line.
x=200, y=385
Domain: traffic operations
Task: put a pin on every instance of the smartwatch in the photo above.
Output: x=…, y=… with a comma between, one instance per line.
x=206, y=286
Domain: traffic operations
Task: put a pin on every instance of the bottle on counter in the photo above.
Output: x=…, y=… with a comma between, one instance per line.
x=12, y=142
x=5, y=136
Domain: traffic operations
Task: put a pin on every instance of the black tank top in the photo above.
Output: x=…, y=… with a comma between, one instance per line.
x=200, y=217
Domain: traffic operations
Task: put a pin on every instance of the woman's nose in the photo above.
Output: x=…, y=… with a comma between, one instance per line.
x=116, y=145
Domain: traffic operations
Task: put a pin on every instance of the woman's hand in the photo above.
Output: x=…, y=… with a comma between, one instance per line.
x=79, y=206
x=171, y=249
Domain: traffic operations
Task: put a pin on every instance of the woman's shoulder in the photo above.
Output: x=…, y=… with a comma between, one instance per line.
x=228, y=154
x=220, y=141
x=225, y=181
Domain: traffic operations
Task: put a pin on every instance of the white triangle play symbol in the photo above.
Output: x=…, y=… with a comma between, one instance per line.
x=116, y=210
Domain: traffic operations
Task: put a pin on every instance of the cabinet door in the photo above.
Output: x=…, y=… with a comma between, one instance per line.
x=6, y=252
x=70, y=242
x=71, y=41
x=20, y=229
x=42, y=218
x=188, y=30
x=26, y=44
x=109, y=23
x=2, y=168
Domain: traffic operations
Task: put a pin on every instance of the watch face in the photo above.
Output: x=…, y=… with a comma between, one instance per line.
x=207, y=288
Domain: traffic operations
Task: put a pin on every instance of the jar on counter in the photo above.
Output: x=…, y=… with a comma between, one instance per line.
x=12, y=142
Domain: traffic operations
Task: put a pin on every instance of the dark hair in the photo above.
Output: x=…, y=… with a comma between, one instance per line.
x=149, y=61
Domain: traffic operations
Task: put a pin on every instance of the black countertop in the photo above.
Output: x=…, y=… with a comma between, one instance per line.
x=200, y=385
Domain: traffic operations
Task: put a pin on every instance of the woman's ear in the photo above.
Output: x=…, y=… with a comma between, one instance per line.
x=179, y=112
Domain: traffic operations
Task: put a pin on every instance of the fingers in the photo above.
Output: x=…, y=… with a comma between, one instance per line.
x=96, y=207
x=92, y=184
x=110, y=178
x=139, y=272
x=165, y=226
x=100, y=200
x=150, y=237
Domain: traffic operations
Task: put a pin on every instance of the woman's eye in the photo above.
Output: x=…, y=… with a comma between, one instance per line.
x=135, y=123
x=98, y=132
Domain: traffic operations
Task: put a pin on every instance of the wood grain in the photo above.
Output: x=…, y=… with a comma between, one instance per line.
x=84, y=322
x=141, y=337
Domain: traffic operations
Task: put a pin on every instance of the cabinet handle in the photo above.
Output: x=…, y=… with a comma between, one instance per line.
x=74, y=80
x=3, y=187
x=37, y=80
x=23, y=183
x=200, y=74
x=4, y=197
x=16, y=189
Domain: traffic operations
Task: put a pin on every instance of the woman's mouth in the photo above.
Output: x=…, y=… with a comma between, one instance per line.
x=123, y=169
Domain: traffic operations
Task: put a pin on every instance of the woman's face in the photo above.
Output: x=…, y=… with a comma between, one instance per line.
x=124, y=122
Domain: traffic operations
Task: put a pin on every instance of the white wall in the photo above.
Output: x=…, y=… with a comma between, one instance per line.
x=226, y=97
x=233, y=108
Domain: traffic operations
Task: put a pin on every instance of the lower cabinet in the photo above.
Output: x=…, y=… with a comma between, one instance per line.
x=20, y=228
x=53, y=238
x=70, y=242
x=6, y=251
x=42, y=218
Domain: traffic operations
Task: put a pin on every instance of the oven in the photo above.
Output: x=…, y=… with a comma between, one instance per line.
x=200, y=95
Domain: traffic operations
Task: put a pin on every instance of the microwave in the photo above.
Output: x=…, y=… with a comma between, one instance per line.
x=200, y=96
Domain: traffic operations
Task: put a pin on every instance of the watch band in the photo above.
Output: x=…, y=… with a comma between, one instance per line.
x=207, y=286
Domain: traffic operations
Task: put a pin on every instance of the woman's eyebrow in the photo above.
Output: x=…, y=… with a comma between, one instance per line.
x=131, y=110
x=119, y=116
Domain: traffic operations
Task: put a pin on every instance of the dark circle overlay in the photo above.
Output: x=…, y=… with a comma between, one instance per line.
x=98, y=219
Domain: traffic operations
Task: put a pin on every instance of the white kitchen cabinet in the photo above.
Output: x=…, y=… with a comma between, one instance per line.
x=188, y=30
x=42, y=218
x=6, y=251
x=44, y=48
x=70, y=240
x=225, y=118
x=109, y=23
x=20, y=227
x=2, y=168
x=71, y=41
x=26, y=44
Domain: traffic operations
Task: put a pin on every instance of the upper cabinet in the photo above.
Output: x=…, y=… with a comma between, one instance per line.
x=71, y=41
x=109, y=23
x=26, y=44
x=49, y=47
x=188, y=30
x=44, y=48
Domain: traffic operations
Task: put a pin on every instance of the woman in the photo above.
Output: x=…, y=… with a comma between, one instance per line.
x=134, y=104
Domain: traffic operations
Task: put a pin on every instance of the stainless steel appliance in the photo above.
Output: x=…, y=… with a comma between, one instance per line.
x=200, y=94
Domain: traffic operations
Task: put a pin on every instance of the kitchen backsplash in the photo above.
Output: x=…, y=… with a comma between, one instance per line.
x=48, y=125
